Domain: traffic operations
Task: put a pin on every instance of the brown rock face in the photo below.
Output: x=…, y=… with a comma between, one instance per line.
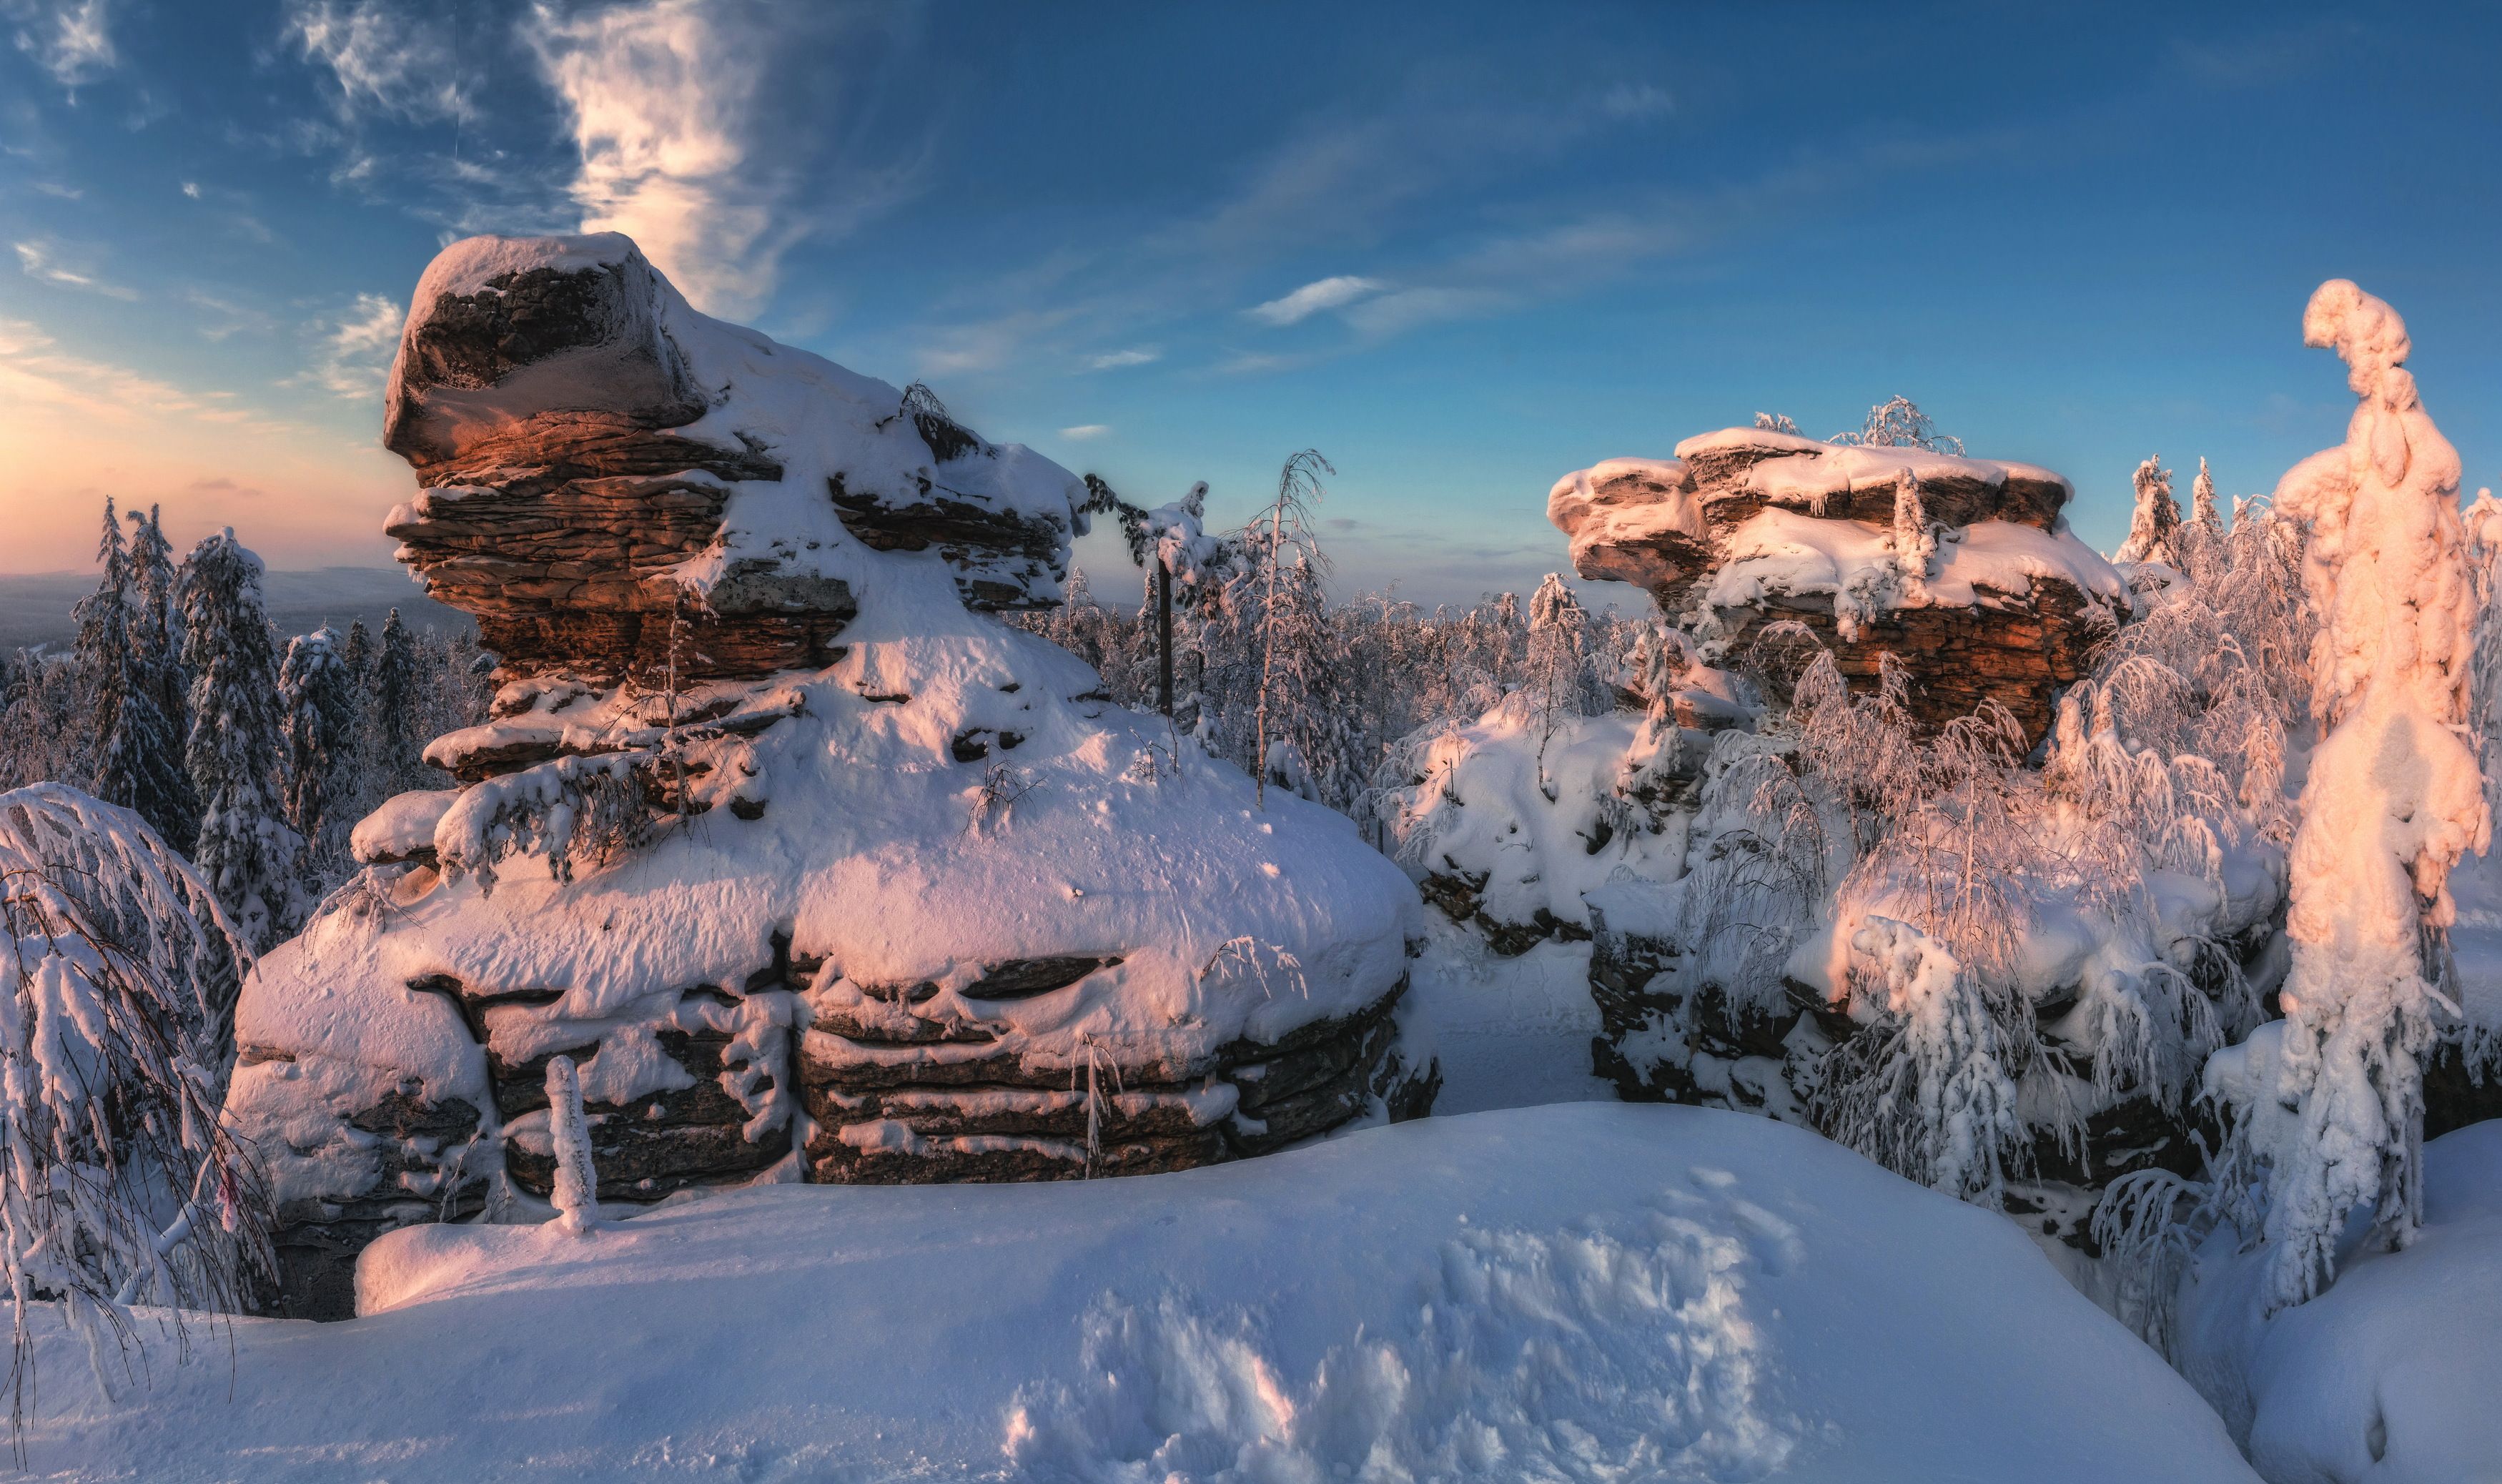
x=2013, y=632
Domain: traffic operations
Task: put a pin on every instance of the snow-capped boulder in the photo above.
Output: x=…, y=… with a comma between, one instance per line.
x=916, y=905
x=615, y=483
x=1963, y=568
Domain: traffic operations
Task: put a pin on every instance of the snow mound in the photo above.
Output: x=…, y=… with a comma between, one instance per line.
x=2389, y=1374
x=1582, y=1292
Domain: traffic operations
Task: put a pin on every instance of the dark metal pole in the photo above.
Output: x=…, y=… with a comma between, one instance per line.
x=1163, y=635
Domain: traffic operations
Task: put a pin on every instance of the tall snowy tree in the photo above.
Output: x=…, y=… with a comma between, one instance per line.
x=235, y=752
x=138, y=756
x=2158, y=516
x=1284, y=597
x=1561, y=681
x=2330, y=1099
x=319, y=727
x=399, y=734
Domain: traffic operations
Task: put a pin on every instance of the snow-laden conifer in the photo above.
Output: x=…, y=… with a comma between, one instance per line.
x=2328, y=1101
x=235, y=752
x=121, y=651
x=317, y=695
x=2155, y=517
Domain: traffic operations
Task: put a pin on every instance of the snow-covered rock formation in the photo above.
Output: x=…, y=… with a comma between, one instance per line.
x=1962, y=569
x=816, y=870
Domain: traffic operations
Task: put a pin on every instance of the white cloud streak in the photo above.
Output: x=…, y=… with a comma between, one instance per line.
x=37, y=260
x=356, y=348
x=1114, y=360
x=1085, y=431
x=70, y=39
x=383, y=59
x=1313, y=298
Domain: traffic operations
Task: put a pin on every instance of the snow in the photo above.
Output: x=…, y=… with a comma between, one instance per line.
x=1508, y=1032
x=2389, y=1374
x=1595, y=517
x=403, y=827
x=1582, y=1292
x=1780, y=551
x=1785, y=478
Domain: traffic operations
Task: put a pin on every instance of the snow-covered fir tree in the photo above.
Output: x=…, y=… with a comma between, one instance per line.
x=399, y=733
x=2157, y=516
x=317, y=695
x=123, y=652
x=235, y=753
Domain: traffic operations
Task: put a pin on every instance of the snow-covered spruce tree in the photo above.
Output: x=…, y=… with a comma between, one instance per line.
x=2328, y=1101
x=399, y=734
x=156, y=668
x=317, y=698
x=235, y=753
x=2155, y=518
x=118, y=1186
x=138, y=755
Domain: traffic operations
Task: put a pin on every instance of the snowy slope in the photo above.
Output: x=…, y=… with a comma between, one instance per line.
x=2391, y=1375
x=1557, y=1293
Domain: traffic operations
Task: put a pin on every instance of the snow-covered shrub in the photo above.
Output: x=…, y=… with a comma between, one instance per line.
x=1896, y=423
x=573, y=810
x=118, y=1185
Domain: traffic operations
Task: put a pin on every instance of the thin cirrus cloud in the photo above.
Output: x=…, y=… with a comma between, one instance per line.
x=1114, y=360
x=383, y=59
x=40, y=260
x=70, y=39
x=356, y=348
x=1313, y=298
x=1085, y=432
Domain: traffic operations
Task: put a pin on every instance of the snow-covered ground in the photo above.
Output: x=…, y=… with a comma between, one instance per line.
x=1509, y=1033
x=1569, y=1292
x=2391, y=1375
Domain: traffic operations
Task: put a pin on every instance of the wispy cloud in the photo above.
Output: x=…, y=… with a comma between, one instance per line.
x=385, y=59
x=35, y=371
x=1116, y=360
x=56, y=189
x=1636, y=101
x=356, y=347
x=70, y=39
x=684, y=146
x=1085, y=431
x=42, y=260
x=1313, y=298
x=222, y=318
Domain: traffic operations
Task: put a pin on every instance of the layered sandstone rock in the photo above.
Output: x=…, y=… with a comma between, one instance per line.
x=815, y=869
x=1962, y=569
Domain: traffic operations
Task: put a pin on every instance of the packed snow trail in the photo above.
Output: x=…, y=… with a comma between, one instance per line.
x=1572, y=1292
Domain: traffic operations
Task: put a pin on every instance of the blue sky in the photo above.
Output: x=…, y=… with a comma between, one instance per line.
x=1460, y=248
